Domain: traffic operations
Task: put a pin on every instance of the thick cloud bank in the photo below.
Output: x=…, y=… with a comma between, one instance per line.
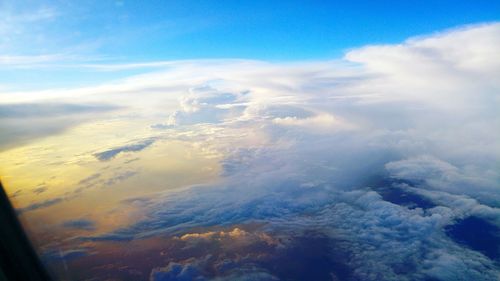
x=388, y=155
x=385, y=153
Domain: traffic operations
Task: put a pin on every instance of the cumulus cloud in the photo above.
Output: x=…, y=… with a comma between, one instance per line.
x=331, y=148
x=191, y=270
x=90, y=179
x=234, y=238
x=205, y=104
x=248, y=254
x=444, y=58
x=176, y=272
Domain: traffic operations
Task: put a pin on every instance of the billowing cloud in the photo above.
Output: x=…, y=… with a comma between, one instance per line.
x=206, y=104
x=234, y=238
x=176, y=272
x=422, y=119
x=380, y=158
x=190, y=271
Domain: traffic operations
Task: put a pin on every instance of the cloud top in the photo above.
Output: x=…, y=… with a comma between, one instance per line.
x=374, y=161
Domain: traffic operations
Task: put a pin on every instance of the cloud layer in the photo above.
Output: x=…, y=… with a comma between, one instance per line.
x=384, y=154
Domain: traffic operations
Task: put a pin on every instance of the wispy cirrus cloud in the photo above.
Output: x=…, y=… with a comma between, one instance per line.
x=17, y=20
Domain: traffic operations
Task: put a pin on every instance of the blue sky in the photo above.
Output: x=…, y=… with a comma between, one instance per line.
x=73, y=32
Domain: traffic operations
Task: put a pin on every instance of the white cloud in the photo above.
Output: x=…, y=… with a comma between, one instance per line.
x=440, y=175
x=423, y=114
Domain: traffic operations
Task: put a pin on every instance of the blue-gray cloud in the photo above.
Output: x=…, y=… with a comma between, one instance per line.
x=388, y=171
x=205, y=104
x=120, y=176
x=64, y=255
x=134, y=147
x=84, y=224
x=39, y=205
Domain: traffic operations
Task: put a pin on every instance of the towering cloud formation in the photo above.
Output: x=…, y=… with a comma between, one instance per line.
x=385, y=152
x=382, y=153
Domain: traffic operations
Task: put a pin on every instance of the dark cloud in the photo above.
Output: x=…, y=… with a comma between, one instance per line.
x=40, y=189
x=23, y=123
x=138, y=201
x=134, y=147
x=177, y=272
x=64, y=255
x=131, y=160
x=120, y=176
x=89, y=182
x=84, y=224
x=39, y=205
x=90, y=179
x=16, y=193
